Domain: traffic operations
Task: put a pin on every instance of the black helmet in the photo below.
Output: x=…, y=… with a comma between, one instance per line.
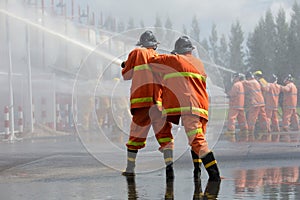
x=234, y=76
x=183, y=45
x=147, y=39
x=249, y=75
x=274, y=78
x=240, y=76
x=289, y=78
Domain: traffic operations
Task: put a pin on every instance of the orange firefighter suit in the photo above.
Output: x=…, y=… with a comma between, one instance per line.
x=144, y=97
x=185, y=96
x=271, y=93
x=255, y=104
x=236, y=107
x=289, y=116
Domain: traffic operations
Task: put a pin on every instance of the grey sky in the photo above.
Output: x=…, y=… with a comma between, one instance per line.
x=222, y=13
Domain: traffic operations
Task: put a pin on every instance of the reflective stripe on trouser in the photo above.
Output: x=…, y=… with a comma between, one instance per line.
x=253, y=114
x=239, y=115
x=196, y=159
x=195, y=128
x=131, y=156
x=168, y=156
x=272, y=116
x=142, y=120
x=290, y=117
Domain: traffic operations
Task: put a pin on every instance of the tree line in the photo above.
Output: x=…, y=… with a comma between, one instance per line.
x=273, y=46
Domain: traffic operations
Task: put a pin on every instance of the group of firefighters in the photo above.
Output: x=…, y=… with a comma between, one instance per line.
x=254, y=104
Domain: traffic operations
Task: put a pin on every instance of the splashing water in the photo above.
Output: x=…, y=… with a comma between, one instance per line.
x=64, y=37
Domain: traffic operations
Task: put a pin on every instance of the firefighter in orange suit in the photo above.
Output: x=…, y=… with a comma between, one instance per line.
x=236, y=108
x=185, y=96
x=255, y=105
x=271, y=100
x=289, y=116
x=145, y=104
x=259, y=77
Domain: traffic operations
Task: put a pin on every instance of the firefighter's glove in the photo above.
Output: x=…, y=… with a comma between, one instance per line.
x=123, y=64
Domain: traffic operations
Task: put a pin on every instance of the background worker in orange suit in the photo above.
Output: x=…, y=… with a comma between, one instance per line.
x=145, y=101
x=236, y=108
x=258, y=75
x=185, y=97
x=255, y=104
x=272, y=92
x=289, y=104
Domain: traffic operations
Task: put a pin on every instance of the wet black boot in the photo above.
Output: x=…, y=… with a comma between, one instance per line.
x=198, y=194
x=169, y=172
x=197, y=165
x=212, y=190
x=168, y=157
x=169, y=195
x=211, y=167
x=131, y=156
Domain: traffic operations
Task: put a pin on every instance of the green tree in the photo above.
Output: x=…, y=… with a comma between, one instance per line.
x=204, y=44
x=223, y=52
x=169, y=34
x=213, y=42
x=256, y=53
x=281, y=44
x=158, y=28
x=184, y=30
x=294, y=42
x=236, y=54
x=195, y=31
x=168, y=23
x=269, y=43
x=261, y=45
x=109, y=23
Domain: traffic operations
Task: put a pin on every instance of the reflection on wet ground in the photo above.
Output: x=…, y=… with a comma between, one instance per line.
x=62, y=169
x=274, y=137
x=268, y=183
x=211, y=190
x=262, y=183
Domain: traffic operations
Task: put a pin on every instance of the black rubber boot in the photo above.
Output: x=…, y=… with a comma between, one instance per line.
x=212, y=190
x=198, y=195
x=131, y=156
x=197, y=165
x=169, y=195
x=211, y=167
x=168, y=157
x=169, y=172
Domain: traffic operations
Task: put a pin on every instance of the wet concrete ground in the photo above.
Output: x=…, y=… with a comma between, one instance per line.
x=61, y=168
